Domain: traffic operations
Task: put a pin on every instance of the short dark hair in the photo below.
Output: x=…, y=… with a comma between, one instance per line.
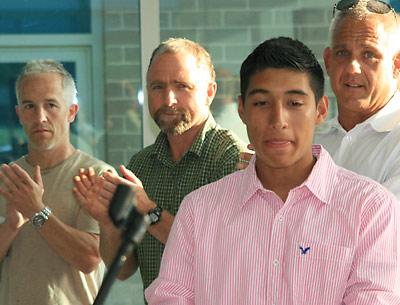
x=283, y=53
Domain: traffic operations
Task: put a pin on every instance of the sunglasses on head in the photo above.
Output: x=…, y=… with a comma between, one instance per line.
x=374, y=6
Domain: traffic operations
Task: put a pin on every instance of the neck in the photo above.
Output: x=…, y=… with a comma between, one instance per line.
x=180, y=144
x=282, y=180
x=349, y=120
x=49, y=158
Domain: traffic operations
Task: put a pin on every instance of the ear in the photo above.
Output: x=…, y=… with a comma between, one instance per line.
x=211, y=91
x=322, y=110
x=241, y=109
x=327, y=57
x=72, y=111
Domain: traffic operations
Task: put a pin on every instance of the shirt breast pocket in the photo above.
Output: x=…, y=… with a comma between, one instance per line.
x=318, y=268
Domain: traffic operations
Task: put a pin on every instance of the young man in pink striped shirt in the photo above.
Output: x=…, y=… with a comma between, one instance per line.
x=292, y=228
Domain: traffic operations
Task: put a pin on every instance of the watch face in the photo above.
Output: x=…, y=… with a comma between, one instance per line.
x=38, y=221
x=153, y=217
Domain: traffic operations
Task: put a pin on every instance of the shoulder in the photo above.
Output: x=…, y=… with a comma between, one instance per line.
x=85, y=160
x=215, y=193
x=224, y=137
x=362, y=189
x=141, y=156
x=220, y=141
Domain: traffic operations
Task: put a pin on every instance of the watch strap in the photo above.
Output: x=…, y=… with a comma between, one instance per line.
x=38, y=219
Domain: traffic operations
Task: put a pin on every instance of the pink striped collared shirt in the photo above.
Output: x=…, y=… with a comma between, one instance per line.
x=334, y=241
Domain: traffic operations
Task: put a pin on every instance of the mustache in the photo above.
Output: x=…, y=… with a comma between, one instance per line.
x=42, y=126
x=168, y=110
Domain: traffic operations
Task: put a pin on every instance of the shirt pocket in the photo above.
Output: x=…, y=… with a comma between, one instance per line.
x=317, y=269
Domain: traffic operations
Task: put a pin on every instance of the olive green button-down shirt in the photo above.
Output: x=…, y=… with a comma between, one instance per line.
x=214, y=154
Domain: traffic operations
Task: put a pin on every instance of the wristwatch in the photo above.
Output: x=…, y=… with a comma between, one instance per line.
x=38, y=219
x=155, y=215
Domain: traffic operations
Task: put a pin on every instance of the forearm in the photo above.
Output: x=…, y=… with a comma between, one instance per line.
x=79, y=249
x=161, y=229
x=7, y=236
x=110, y=241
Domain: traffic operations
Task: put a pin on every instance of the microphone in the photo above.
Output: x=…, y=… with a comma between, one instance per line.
x=125, y=216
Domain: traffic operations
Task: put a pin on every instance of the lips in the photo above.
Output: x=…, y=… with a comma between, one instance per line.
x=41, y=131
x=278, y=142
x=353, y=85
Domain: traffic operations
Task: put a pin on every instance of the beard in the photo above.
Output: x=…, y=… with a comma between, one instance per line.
x=173, y=121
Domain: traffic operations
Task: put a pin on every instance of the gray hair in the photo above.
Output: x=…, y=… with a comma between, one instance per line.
x=175, y=45
x=49, y=66
x=359, y=12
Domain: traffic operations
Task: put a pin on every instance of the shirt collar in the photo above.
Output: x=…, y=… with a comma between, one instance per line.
x=320, y=182
x=161, y=144
x=323, y=176
x=388, y=117
x=197, y=146
x=384, y=120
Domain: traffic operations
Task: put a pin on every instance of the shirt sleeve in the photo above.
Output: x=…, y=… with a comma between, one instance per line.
x=375, y=272
x=174, y=285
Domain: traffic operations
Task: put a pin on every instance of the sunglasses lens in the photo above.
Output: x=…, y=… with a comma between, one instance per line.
x=378, y=7
x=345, y=4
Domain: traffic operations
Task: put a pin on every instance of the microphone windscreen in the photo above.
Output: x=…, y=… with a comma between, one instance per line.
x=121, y=205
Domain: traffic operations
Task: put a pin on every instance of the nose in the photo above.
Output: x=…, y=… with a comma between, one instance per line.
x=41, y=114
x=353, y=66
x=278, y=117
x=170, y=97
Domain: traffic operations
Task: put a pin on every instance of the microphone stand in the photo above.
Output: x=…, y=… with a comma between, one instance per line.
x=131, y=237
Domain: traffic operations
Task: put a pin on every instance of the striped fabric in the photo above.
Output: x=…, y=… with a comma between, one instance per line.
x=334, y=241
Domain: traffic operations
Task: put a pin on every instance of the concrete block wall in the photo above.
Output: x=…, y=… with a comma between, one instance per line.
x=122, y=83
x=229, y=29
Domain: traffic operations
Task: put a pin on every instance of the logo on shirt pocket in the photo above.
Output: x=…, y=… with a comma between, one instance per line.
x=304, y=250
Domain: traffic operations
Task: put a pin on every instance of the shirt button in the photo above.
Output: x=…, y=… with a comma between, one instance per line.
x=276, y=262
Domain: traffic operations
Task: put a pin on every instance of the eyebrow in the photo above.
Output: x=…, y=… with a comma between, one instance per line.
x=265, y=91
x=47, y=100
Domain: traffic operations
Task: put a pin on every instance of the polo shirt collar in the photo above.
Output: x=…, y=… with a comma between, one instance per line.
x=197, y=146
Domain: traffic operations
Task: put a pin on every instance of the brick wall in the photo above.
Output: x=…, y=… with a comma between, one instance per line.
x=122, y=81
